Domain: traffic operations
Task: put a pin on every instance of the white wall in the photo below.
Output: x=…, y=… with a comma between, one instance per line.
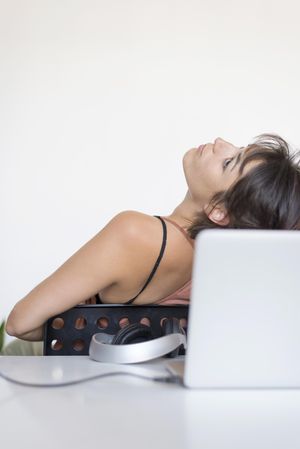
x=99, y=100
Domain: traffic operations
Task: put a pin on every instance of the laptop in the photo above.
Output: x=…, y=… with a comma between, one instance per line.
x=244, y=317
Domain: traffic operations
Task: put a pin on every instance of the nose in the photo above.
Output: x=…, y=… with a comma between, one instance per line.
x=222, y=145
x=219, y=141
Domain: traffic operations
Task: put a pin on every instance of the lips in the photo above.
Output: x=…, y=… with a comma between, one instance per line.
x=200, y=149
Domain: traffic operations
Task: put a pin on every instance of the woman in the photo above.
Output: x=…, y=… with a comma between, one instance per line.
x=129, y=261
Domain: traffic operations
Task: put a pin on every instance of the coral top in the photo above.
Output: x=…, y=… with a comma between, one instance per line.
x=181, y=296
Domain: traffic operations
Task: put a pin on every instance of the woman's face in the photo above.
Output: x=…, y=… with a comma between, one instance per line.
x=211, y=168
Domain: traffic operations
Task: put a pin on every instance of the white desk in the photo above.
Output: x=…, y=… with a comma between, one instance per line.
x=133, y=413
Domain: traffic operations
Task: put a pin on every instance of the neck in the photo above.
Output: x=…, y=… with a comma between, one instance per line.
x=184, y=214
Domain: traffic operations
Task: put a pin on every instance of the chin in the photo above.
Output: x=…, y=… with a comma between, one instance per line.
x=185, y=163
x=186, y=175
x=188, y=159
x=187, y=156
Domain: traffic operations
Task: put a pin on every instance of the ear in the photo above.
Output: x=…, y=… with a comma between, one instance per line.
x=218, y=215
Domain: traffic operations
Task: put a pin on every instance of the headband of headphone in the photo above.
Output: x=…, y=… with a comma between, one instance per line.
x=129, y=345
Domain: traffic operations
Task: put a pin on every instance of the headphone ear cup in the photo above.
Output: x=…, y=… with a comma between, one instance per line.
x=133, y=333
x=172, y=326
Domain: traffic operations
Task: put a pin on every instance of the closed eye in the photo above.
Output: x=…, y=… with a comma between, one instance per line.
x=227, y=162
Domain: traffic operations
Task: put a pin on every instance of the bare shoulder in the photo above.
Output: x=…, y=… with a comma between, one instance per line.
x=138, y=237
x=132, y=225
x=132, y=217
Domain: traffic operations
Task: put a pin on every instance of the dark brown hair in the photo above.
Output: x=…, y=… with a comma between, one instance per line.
x=267, y=197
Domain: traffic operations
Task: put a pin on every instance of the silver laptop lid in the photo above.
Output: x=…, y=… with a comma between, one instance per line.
x=244, y=320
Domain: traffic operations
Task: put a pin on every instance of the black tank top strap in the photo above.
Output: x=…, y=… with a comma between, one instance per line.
x=162, y=250
x=161, y=253
x=98, y=299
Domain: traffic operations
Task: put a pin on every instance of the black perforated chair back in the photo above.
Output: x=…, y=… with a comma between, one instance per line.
x=70, y=332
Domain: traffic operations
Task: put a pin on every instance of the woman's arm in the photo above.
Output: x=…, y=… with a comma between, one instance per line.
x=102, y=262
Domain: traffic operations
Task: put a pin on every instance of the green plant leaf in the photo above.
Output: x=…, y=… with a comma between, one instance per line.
x=2, y=327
